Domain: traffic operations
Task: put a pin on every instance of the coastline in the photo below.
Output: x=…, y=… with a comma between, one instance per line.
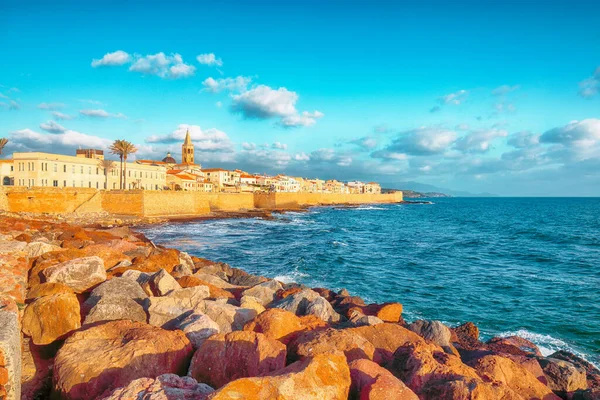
x=330, y=330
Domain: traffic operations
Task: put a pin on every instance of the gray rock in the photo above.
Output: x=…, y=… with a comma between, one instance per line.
x=308, y=302
x=242, y=278
x=10, y=347
x=166, y=312
x=359, y=319
x=12, y=246
x=112, y=308
x=186, y=261
x=116, y=287
x=164, y=387
x=162, y=283
x=192, y=294
x=140, y=277
x=265, y=292
x=79, y=274
x=36, y=249
x=228, y=317
x=181, y=270
x=563, y=376
x=213, y=280
x=434, y=331
x=197, y=327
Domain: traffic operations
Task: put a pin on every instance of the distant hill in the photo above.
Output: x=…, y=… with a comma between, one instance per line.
x=423, y=188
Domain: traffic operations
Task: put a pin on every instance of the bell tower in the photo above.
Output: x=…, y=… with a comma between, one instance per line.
x=187, y=150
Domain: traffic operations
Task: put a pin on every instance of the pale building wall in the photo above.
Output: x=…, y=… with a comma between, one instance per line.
x=37, y=169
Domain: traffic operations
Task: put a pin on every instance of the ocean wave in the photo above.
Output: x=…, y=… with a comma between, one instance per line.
x=369, y=208
x=338, y=243
x=292, y=277
x=547, y=344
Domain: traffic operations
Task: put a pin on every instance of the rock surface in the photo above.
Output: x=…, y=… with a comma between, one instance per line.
x=436, y=332
x=197, y=328
x=323, y=377
x=164, y=387
x=563, y=376
x=79, y=274
x=97, y=360
x=308, y=302
x=223, y=358
x=52, y=317
x=372, y=382
x=315, y=342
x=115, y=308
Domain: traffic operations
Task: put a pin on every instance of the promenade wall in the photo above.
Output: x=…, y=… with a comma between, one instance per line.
x=168, y=203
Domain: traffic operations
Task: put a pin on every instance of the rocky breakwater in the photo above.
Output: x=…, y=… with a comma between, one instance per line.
x=102, y=313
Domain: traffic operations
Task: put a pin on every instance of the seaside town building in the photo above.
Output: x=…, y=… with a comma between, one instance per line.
x=88, y=169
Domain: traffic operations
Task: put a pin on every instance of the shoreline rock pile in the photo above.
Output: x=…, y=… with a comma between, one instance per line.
x=109, y=315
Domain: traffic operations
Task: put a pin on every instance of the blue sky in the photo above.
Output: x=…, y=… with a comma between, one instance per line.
x=499, y=97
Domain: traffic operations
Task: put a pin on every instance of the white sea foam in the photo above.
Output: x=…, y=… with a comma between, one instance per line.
x=546, y=343
x=338, y=243
x=292, y=277
x=369, y=208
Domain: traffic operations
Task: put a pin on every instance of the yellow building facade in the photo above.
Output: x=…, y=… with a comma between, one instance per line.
x=86, y=170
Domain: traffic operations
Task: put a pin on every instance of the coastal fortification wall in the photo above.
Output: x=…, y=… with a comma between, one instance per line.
x=168, y=203
x=297, y=200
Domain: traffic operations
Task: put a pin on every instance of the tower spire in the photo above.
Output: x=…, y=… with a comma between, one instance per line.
x=188, y=139
x=187, y=149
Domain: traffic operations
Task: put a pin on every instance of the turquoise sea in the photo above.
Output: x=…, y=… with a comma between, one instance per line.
x=525, y=266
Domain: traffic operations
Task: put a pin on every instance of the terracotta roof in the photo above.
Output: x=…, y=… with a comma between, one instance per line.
x=174, y=171
x=150, y=162
x=372, y=183
x=6, y=161
x=247, y=176
x=213, y=169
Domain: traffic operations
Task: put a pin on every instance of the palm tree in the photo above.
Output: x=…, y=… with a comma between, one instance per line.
x=3, y=142
x=117, y=148
x=107, y=166
x=123, y=148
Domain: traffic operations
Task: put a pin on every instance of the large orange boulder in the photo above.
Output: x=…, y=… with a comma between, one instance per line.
x=372, y=382
x=387, y=312
x=225, y=357
x=434, y=374
x=50, y=318
x=97, y=360
x=386, y=338
x=165, y=259
x=277, y=324
x=323, y=377
x=315, y=342
x=47, y=289
x=499, y=369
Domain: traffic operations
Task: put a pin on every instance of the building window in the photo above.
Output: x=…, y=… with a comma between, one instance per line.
x=55, y=183
x=90, y=170
x=55, y=168
x=73, y=181
x=90, y=185
x=73, y=170
x=82, y=171
x=65, y=169
x=65, y=183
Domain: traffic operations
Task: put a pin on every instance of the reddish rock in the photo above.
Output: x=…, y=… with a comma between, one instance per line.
x=47, y=289
x=386, y=338
x=95, y=361
x=434, y=374
x=323, y=377
x=372, y=382
x=315, y=342
x=79, y=274
x=466, y=336
x=563, y=376
x=513, y=345
x=51, y=318
x=223, y=358
x=499, y=369
x=281, y=325
x=282, y=294
x=215, y=292
x=387, y=312
x=165, y=259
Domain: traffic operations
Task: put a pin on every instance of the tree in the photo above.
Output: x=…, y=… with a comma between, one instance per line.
x=123, y=148
x=3, y=142
x=117, y=148
x=108, y=166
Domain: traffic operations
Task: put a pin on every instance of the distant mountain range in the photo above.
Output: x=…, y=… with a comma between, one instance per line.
x=413, y=189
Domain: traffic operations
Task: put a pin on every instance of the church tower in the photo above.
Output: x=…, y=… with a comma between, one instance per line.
x=187, y=150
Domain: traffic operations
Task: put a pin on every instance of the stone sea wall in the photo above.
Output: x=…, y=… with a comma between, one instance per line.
x=168, y=203
x=102, y=313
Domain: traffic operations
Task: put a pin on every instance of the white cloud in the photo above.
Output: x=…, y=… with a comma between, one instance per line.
x=59, y=115
x=209, y=140
x=455, y=98
x=479, y=141
x=264, y=102
x=51, y=106
x=591, y=86
x=577, y=133
x=302, y=157
x=99, y=113
x=237, y=84
x=2, y=96
x=504, y=90
x=523, y=139
x=304, y=119
x=209, y=59
x=163, y=66
x=52, y=127
x=421, y=141
x=248, y=146
x=119, y=57
x=279, y=145
x=62, y=143
x=504, y=107
x=219, y=104
x=13, y=105
x=365, y=143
